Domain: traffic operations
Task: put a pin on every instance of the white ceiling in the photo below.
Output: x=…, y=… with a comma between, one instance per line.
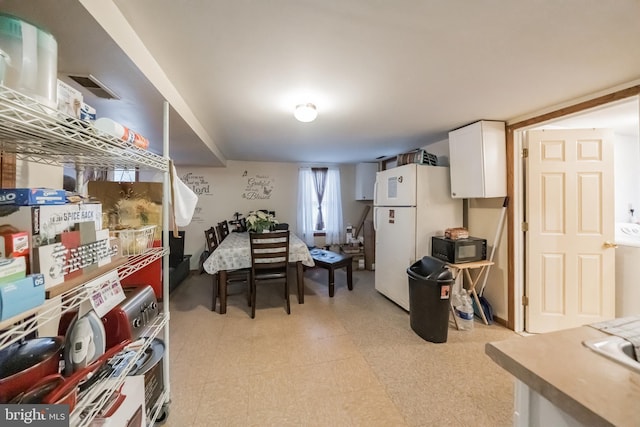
x=622, y=116
x=386, y=76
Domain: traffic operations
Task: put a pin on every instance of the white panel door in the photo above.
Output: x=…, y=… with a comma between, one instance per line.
x=570, y=264
x=395, y=251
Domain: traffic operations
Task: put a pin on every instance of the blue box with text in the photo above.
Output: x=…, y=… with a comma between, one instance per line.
x=32, y=196
x=21, y=295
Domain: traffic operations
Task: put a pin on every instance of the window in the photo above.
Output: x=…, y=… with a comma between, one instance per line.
x=319, y=204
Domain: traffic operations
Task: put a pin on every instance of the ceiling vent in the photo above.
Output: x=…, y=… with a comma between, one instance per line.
x=94, y=86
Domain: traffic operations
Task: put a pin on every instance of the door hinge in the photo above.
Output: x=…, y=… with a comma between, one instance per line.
x=525, y=300
x=525, y=152
x=525, y=226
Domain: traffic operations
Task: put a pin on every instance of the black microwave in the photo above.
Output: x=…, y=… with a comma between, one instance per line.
x=458, y=250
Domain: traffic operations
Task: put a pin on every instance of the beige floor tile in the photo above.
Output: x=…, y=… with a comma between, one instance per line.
x=313, y=382
x=269, y=390
x=371, y=407
x=353, y=374
x=350, y=360
x=224, y=402
x=326, y=411
x=284, y=414
x=185, y=399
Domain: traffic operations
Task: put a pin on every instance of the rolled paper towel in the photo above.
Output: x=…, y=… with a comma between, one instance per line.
x=124, y=133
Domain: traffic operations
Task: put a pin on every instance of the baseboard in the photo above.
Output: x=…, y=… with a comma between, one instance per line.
x=500, y=321
x=179, y=273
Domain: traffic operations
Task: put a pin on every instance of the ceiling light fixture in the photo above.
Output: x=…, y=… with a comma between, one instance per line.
x=305, y=112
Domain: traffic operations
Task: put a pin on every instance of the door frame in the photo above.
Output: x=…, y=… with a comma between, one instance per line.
x=515, y=187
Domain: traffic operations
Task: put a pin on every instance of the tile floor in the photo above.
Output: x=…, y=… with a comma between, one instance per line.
x=351, y=360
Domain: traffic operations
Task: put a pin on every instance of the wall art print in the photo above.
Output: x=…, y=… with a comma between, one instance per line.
x=127, y=205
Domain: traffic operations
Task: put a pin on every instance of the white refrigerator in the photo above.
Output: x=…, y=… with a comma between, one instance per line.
x=412, y=203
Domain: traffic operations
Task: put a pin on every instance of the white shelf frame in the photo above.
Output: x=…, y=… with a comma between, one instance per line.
x=71, y=299
x=36, y=133
x=99, y=394
x=39, y=134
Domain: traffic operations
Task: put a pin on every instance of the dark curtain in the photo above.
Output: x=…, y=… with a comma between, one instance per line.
x=319, y=180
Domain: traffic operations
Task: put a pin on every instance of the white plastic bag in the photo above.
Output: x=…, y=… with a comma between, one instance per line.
x=183, y=199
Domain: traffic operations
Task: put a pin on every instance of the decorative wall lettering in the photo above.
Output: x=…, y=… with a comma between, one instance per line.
x=199, y=184
x=197, y=215
x=258, y=187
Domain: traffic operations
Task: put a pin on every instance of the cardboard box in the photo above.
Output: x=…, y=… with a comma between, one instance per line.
x=12, y=269
x=153, y=385
x=14, y=244
x=44, y=226
x=49, y=260
x=130, y=412
x=70, y=258
x=32, y=196
x=21, y=295
x=45, y=223
x=69, y=100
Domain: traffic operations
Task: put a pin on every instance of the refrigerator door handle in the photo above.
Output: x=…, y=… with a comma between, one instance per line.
x=375, y=194
x=375, y=218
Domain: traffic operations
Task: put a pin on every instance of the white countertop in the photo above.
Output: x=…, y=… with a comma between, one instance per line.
x=584, y=384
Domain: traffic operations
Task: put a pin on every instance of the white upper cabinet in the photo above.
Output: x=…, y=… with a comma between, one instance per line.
x=365, y=180
x=478, y=160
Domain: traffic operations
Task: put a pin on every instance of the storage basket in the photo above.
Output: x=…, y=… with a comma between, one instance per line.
x=421, y=157
x=135, y=241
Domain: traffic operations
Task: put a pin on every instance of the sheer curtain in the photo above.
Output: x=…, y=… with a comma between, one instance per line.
x=308, y=205
x=332, y=203
x=306, y=197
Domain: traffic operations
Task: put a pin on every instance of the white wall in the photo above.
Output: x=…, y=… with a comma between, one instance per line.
x=440, y=149
x=482, y=217
x=627, y=176
x=246, y=186
x=483, y=220
x=29, y=174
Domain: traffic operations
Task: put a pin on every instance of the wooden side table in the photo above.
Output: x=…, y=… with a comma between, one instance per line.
x=332, y=261
x=456, y=269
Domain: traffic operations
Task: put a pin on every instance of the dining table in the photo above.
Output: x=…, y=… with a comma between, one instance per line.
x=234, y=253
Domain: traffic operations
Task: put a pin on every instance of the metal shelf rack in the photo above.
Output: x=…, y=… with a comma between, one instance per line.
x=37, y=133
x=71, y=299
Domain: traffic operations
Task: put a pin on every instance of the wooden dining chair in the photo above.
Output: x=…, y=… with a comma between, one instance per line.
x=211, y=238
x=219, y=232
x=212, y=243
x=233, y=276
x=223, y=230
x=269, y=261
